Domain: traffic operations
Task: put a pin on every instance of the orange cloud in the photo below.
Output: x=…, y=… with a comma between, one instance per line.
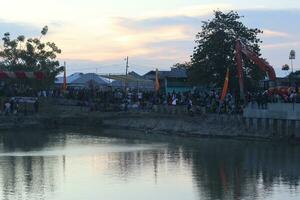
x=116, y=41
x=271, y=33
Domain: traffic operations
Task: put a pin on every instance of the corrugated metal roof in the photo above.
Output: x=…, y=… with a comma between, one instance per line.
x=82, y=79
x=85, y=78
x=70, y=78
x=174, y=73
x=128, y=78
x=177, y=73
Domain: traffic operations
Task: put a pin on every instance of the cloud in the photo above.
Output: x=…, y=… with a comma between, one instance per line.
x=16, y=29
x=138, y=64
x=285, y=45
x=164, y=40
x=270, y=19
x=154, y=22
x=158, y=38
x=272, y=33
x=127, y=36
x=153, y=34
x=190, y=11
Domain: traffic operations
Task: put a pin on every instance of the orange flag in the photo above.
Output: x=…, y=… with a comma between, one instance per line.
x=157, y=86
x=225, y=88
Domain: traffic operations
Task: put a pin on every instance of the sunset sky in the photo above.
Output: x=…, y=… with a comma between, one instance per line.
x=154, y=34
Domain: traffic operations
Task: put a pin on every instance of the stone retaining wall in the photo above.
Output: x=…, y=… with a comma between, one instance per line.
x=280, y=119
x=169, y=120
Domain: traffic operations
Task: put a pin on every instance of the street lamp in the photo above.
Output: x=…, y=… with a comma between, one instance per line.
x=292, y=57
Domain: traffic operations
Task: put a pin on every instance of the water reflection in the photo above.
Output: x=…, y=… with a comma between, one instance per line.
x=238, y=170
x=117, y=165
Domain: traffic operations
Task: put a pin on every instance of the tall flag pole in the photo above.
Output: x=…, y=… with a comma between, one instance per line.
x=65, y=78
x=157, y=86
x=225, y=88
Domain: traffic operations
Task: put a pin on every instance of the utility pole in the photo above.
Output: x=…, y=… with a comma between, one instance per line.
x=126, y=82
x=127, y=66
x=65, y=78
x=126, y=74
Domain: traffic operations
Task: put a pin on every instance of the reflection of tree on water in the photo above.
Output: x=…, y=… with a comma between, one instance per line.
x=129, y=164
x=23, y=141
x=25, y=177
x=233, y=170
x=222, y=169
x=22, y=177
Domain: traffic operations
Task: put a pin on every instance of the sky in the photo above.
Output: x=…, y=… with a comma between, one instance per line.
x=96, y=35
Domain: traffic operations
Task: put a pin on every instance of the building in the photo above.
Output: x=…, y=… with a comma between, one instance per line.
x=81, y=80
x=175, y=80
x=132, y=81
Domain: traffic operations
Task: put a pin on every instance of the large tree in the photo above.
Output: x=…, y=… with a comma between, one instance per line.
x=32, y=54
x=185, y=65
x=215, y=51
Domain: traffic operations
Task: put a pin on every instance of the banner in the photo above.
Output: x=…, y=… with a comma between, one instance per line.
x=22, y=75
x=157, y=85
x=225, y=88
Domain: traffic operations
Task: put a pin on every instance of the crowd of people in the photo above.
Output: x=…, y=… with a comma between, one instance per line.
x=120, y=99
x=262, y=98
x=196, y=101
x=143, y=100
x=16, y=105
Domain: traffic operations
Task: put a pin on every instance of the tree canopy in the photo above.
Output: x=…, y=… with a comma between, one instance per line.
x=185, y=65
x=215, y=52
x=30, y=54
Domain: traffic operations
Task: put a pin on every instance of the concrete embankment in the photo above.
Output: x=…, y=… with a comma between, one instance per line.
x=201, y=126
x=279, y=119
x=47, y=122
x=175, y=122
x=209, y=125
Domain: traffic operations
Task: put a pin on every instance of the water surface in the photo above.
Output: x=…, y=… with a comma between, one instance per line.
x=116, y=164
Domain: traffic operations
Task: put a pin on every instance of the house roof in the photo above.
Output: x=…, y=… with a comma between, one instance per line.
x=85, y=78
x=81, y=79
x=131, y=77
x=177, y=73
x=174, y=73
x=70, y=78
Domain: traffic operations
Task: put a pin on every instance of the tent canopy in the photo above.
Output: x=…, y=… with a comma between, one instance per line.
x=128, y=78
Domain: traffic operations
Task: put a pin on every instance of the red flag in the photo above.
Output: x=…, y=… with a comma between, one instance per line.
x=157, y=85
x=225, y=88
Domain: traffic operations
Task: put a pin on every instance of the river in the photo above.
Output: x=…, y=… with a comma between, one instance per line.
x=117, y=164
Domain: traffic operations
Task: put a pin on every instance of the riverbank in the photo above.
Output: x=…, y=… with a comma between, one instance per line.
x=208, y=125
x=172, y=122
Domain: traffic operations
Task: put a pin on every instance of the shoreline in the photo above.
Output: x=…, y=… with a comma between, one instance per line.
x=204, y=126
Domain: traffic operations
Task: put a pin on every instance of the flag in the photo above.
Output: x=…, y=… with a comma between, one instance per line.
x=225, y=88
x=65, y=79
x=157, y=86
